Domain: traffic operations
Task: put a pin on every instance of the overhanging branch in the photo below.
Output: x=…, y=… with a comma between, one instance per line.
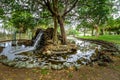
x=67, y=11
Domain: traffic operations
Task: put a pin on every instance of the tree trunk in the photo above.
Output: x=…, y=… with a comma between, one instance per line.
x=55, y=38
x=102, y=31
x=96, y=30
x=92, y=32
x=55, y=8
x=63, y=34
x=84, y=31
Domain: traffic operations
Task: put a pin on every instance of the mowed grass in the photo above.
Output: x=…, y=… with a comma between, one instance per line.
x=109, y=38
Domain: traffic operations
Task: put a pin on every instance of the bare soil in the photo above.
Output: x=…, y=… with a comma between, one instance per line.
x=111, y=72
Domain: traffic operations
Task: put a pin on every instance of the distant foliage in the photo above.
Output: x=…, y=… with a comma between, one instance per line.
x=73, y=32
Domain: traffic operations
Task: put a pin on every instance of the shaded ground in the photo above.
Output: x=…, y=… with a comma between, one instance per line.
x=111, y=72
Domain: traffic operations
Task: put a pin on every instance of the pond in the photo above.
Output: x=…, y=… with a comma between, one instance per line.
x=29, y=59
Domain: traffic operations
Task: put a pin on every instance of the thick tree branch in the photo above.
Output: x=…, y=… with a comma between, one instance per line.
x=47, y=3
x=40, y=2
x=66, y=3
x=74, y=4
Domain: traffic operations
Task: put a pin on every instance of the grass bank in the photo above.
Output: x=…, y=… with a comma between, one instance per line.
x=108, y=38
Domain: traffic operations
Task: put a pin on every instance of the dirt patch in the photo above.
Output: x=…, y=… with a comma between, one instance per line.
x=111, y=72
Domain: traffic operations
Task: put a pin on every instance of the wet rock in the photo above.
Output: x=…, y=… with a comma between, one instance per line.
x=21, y=59
x=21, y=64
x=105, y=58
x=8, y=63
x=79, y=61
x=67, y=65
x=77, y=66
x=45, y=67
x=11, y=63
x=49, y=42
x=115, y=54
x=57, y=67
x=24, y=42
x=84, y=61
x=59, y=49
x=47, y=52
x=104, y=64
x=46, y=37
x=30, y=66
x=56, y=61
x=1, y=49
x=2, y=57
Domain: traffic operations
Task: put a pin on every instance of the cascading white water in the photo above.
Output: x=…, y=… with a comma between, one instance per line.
x=38, y=38
x=17, y=50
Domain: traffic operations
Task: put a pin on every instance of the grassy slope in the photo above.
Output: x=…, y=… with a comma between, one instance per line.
x=109, y=38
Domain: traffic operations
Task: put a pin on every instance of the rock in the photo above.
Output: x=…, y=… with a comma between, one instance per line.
x=45, y=67
x=56, y=61
x=77, y=66
x=11, y=63
x=21, y=64
x=105, y=58
x=1, y=49
x=49, y=42
x=57, y=67
x=104, y=64
x=21, y=59
x=67, y=65
x=30, y=65
x=48, y=52
x=115, y=54
x=2, y=57
x=25, y=42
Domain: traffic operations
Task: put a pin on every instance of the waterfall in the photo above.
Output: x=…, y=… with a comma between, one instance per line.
x=38, y=38
x=20, y=50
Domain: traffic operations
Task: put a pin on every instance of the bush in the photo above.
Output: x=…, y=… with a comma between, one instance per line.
x=73, y=32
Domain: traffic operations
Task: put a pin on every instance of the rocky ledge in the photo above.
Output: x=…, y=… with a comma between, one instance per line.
x=59, y=49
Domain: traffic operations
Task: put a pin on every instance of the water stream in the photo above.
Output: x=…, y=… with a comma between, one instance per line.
x=17, y=59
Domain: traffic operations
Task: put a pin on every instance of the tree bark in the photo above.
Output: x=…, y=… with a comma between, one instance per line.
x=55, y=9
x=96, y=30
x=55, y=38
x=63, y=34
x=92, y=32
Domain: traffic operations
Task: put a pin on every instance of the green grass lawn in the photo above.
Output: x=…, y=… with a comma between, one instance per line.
x=109, y=38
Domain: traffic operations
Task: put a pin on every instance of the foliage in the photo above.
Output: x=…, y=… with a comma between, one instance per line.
x=28, y=13
x=73, y=32
x=22, y=20
x=109, y=38
x=44, y=71
x=1, y=13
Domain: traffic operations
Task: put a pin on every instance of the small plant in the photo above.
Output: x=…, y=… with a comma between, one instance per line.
x=70, y=75
x=44, y=71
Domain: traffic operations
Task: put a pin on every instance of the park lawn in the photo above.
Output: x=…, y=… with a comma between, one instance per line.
x=108, y=38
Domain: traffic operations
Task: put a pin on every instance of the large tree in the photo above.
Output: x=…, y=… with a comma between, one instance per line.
x=97, y=12
x=59, y=9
